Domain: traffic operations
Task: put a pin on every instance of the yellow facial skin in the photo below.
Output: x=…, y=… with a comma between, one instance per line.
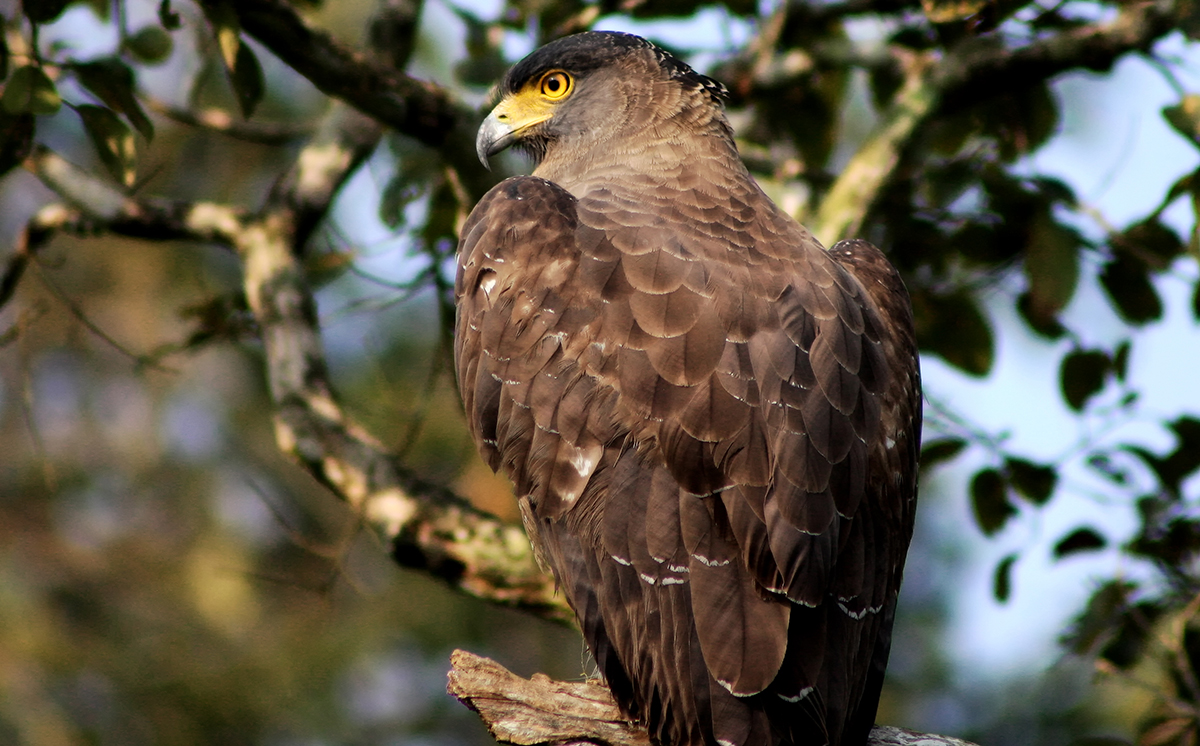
x=533, y=104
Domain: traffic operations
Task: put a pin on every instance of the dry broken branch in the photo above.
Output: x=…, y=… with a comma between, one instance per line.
x=543, y=712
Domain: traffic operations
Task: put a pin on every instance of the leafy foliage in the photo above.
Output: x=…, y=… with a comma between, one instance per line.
x=1002, y=581
x=1083, y=375
x=1082, y=539
x=989, y=497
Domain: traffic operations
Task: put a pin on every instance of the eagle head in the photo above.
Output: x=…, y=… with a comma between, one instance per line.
x=589, y=89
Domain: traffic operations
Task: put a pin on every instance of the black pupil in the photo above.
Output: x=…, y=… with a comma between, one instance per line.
x=553, y=84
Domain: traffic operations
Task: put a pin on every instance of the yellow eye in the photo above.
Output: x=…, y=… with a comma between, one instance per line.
x=555, y=85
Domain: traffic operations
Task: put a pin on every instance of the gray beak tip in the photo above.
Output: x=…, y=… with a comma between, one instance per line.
x=493, y=137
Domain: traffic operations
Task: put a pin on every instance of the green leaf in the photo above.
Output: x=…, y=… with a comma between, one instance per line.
x=1155, y=242
x=1082, y=376
x=886, y=81
x=113, y=141
x=1082, y=539
x=16, y=140
x=322, y=267
x=938, y=451
x=416, y=174
x=1095, y=625
x=1183, y=185
x=1184, y=117
x=1175, y=545
x=101, y=8
x=30, y=91
x=1188, y=18
x=245, y=74
x=113, y=82
x=1020, y=120
x=43, y=11
x=443, y=213
x=167, y=17
x=227, y=28
x=1051, y=266
x=1103, y=463
x=1055, y=190
x=948, y=11
x=485, y=62
x=1035, y=482
x=397, y=195
x=1038, y=122
x=1185, y=459
x=247, y=79
x=151, y=44
x=989, y=498
x=1048, y=327
x=1002, y=579
x=1133, y=629
x=954, y=327
x=1126, y=281
x=1120, y=359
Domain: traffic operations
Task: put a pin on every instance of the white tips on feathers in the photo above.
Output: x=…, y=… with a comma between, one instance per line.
x=803, y=693
x=585, y=459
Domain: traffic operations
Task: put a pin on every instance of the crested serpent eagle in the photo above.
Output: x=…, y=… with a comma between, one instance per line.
x=711, y=420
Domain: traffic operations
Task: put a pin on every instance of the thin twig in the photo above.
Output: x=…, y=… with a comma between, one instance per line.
x=76, y=311
x=221, y=121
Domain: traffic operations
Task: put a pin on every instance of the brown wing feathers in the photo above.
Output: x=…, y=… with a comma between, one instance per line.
x=712, y=423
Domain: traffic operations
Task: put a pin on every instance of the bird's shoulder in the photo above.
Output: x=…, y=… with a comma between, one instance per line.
x=520, y=225
x=518, y=202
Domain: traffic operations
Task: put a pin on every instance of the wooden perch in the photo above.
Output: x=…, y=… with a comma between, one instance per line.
x=543, y=712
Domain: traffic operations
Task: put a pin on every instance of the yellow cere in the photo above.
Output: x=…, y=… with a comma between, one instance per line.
x=535, y=102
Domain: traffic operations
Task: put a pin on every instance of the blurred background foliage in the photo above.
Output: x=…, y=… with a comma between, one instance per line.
x=166, y=577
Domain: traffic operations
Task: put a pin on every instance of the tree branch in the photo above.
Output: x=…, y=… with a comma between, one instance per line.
x=97, y=203
x=976, y=70
x=345, y=140
x=219, y=120
x=542, y=712
x=852, y=195
x=413, y=107
x=427, y=527
x=417, y=108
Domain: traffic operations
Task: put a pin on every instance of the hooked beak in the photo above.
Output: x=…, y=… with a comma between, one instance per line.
x=510, y=121
x=494, y=136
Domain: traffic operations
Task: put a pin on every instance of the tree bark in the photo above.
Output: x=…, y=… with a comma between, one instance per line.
x=542, y=712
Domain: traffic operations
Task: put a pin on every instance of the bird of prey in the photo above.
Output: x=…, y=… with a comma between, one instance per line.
x=711, y=421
